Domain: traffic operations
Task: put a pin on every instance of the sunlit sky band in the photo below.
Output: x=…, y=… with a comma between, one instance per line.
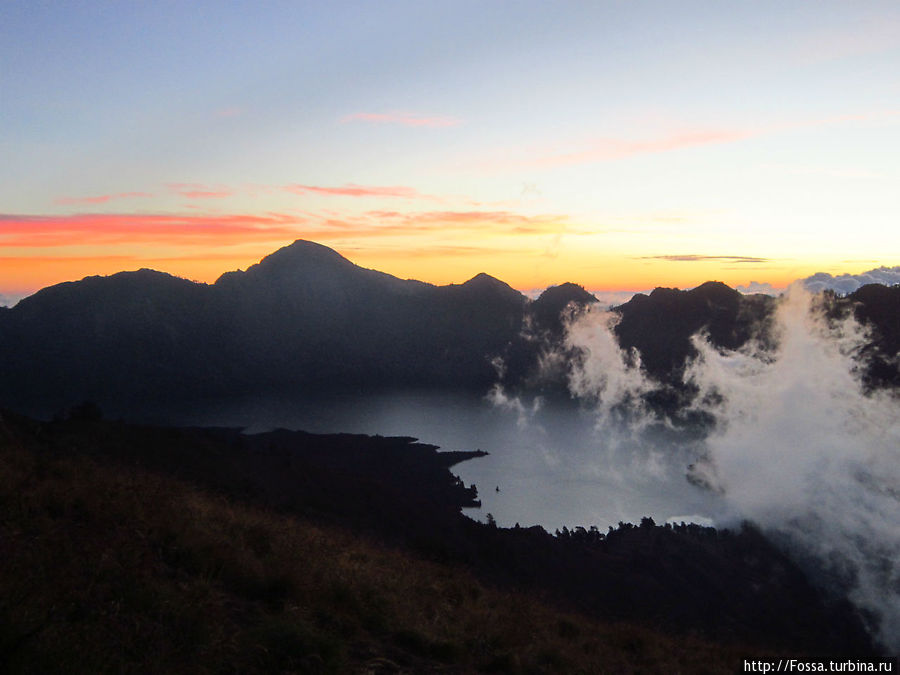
x=618, y=145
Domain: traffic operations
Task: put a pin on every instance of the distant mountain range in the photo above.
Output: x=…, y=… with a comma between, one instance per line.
x=305, y=319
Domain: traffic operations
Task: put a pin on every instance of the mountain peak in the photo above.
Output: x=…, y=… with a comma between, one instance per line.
x=485, y=282
x=564, y=294
x=304, y=252
x=482, y=280
x=298, y=259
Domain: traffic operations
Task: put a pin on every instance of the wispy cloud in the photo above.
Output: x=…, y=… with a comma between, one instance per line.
x=30, y=231
x=438, y=250
x=403, y=118
x=608, y=149
x=200, y=191
x=101, y=199
x=497, y=222
x=478, y=217
x=328, y=227
x=98, y=229
x=352, y=190
x=706, y=258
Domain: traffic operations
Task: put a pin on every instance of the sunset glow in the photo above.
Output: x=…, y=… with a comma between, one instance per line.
x=618, y=146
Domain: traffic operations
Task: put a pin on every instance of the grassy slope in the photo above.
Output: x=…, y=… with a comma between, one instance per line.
x=108, y=569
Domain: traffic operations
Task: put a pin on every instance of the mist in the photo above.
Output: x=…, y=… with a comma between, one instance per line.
x=796, y=446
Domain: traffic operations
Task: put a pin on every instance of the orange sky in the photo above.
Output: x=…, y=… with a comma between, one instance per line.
x=621, y=146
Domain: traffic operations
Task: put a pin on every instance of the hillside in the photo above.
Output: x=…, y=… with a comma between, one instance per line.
x=182, y=550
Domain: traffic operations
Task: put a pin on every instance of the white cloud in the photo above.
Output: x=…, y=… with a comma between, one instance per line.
x=764, y=288
x=847, y=283
x=614, y=298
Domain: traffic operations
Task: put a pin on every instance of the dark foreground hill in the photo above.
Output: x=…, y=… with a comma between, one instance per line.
x=150, y=549
x=306, y=320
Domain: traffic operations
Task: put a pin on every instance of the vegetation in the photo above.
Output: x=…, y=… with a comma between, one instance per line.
x=112, y=567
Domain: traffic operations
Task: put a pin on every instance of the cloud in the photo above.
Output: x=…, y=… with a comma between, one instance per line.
x=706, y=258
x=607, y=149
x=382, y=223
x=524, y=223
x=30, y=231
x=43, y=231
x=800, y=449
x=847, y=283
x=796, y=448
x=438, y=250
x=609, y=299
x=199, y=191
x=763, y=288
x=352, y=190
x=101, y=199
x=402, y=118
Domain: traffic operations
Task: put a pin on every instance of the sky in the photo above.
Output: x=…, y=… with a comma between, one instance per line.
x=618, y=145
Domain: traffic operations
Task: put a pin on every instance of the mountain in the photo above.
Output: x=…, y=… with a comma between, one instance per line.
x=877, y=307
x=305, y=320
x=660, y=325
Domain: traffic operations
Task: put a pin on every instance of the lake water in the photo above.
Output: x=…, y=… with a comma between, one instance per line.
x=552, y=466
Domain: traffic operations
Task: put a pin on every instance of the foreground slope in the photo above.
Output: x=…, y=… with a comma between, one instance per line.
x=182, y=550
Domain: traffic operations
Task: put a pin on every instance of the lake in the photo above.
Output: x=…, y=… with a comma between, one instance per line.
x=553, y=466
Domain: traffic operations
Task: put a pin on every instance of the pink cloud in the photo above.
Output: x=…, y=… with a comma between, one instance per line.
x=198, y=191
x=106, y=228
x=351, y=190
x=218, y=229
x=101, y=199
x=608, y=149
x=468, y=218
x=404, y=119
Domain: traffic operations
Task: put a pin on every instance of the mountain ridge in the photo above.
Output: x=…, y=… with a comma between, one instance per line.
x=305, y=319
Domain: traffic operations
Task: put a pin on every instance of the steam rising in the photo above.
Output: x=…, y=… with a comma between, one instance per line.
x=602, y=372
x=797, y=447
x=802, y=452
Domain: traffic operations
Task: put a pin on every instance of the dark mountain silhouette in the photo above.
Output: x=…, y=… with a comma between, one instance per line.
x=878, y=308
x=554, y=302
x=305, y=320
x=660, y=325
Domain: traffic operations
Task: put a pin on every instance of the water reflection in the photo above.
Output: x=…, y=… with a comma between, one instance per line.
x=552, y=466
